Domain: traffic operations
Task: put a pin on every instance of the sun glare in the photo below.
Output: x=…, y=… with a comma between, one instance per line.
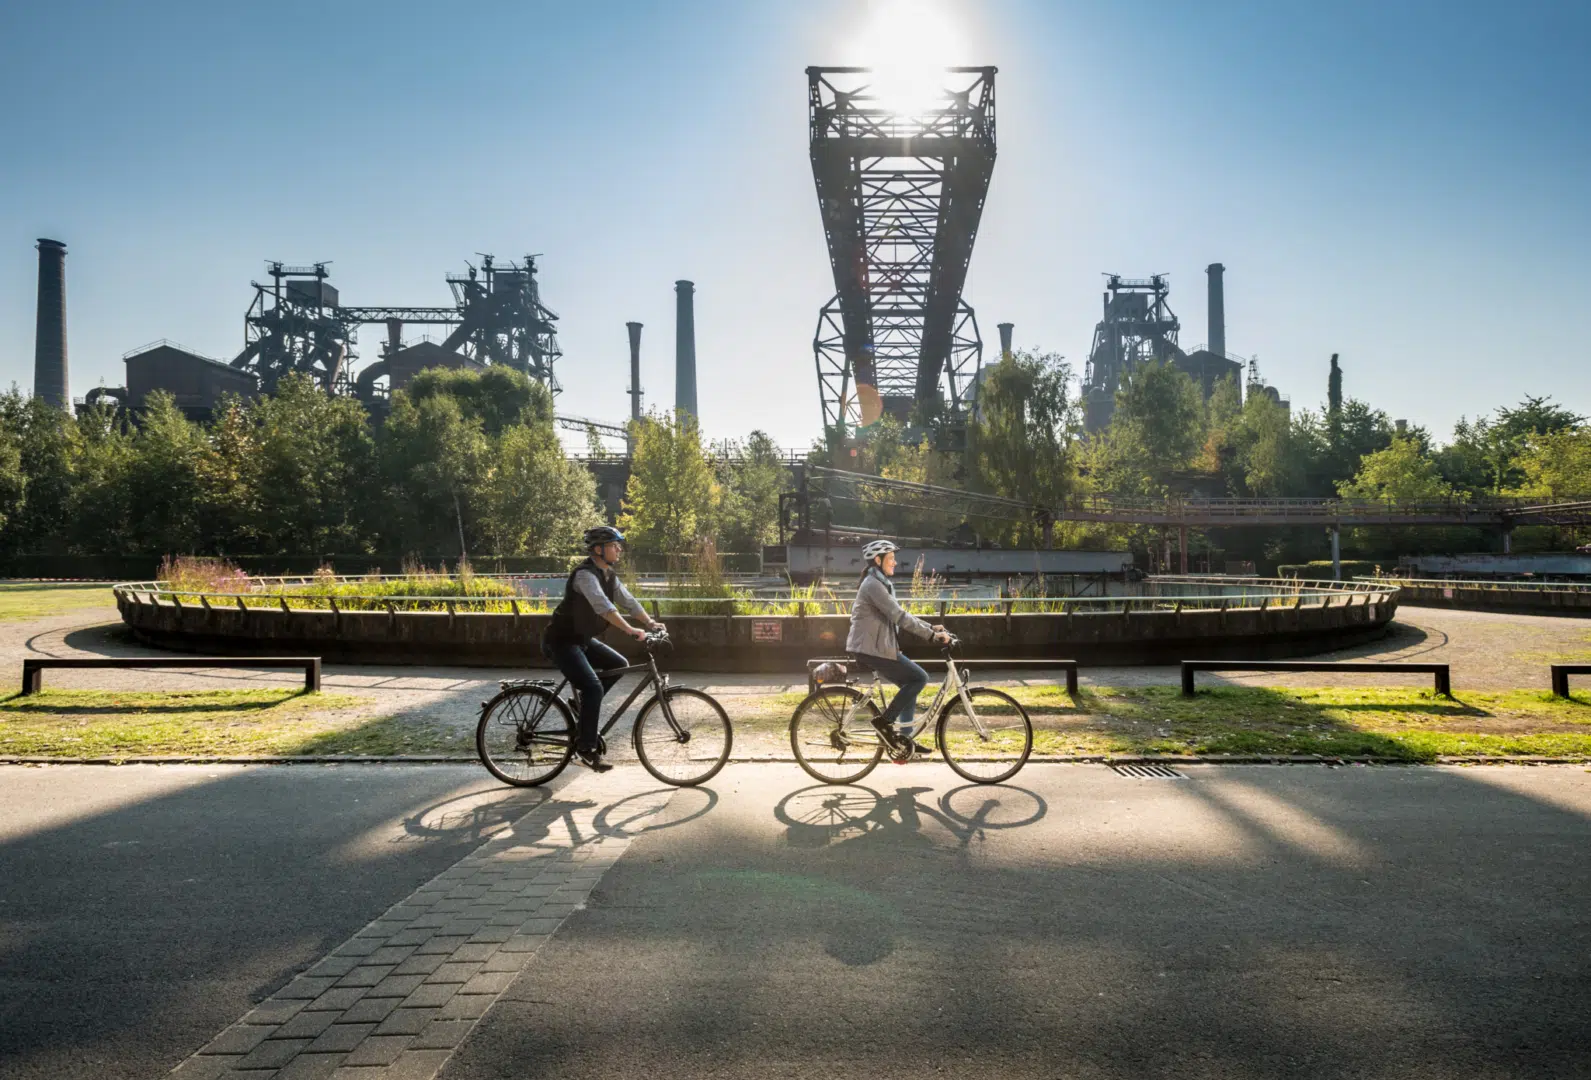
x=908, y=43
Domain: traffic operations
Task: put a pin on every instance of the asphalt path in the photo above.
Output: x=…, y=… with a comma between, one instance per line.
x=144, y=908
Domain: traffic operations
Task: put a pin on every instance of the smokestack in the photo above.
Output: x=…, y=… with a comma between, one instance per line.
x=635, y=369
x=394, y=336
x=1005, y=329
x=49, y=343
x=685, y=347
x=1217, y=330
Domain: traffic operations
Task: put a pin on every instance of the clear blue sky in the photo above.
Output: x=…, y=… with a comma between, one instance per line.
x=1401, y=183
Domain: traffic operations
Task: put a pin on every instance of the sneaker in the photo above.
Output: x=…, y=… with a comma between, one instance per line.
x=919, y=750
x=592, y=760
x=886, y=733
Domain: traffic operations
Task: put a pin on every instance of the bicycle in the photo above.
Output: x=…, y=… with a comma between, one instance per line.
x=527, y=733
x=984, y=734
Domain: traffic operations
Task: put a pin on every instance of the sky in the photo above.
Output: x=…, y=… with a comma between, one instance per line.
x=1400, y=183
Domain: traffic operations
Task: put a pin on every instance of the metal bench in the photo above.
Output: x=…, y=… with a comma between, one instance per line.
x=1444, y=684
x=1068, y=666
x=33, y=666
x=1560, y=677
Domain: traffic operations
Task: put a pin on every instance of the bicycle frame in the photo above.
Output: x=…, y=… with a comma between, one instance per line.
x=954, y=677
x=653, y=677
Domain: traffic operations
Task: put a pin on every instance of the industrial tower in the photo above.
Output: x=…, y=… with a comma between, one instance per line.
x=900, y=196
x=1138, y=326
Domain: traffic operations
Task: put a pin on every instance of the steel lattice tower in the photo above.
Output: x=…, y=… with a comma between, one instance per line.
x=901, y=197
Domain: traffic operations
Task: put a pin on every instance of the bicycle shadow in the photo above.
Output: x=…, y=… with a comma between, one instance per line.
x=824, y=814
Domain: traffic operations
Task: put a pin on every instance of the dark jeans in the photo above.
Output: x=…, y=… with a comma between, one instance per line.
x=903, y=673
x=580, y=664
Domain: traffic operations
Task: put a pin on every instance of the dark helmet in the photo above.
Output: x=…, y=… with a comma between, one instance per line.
x=830, y=672
x=603, y=534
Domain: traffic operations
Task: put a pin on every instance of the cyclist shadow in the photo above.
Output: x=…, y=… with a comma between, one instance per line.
x=825, y=814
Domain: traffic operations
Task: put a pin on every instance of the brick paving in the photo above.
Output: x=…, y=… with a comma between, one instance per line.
x=396, y=999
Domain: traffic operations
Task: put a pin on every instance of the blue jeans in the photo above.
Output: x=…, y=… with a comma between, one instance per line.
x=903, y=673
x=580, y=664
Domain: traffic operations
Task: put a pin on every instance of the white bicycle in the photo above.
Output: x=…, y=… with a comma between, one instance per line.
x=983, y=733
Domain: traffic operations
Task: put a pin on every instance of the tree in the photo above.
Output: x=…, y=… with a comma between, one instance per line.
x=498, y=396
x=436, y=458
x=534, y=500
x=314, y=460
x=672, y=499
x=229, y=477
x=162, y=478
x=1556, y=465
x=47, y=442
x=751, y=477
x=1400, y=473
x=1021, y=440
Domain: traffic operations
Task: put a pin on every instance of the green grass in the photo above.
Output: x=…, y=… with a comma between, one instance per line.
x=38, y=599
x=100, y=723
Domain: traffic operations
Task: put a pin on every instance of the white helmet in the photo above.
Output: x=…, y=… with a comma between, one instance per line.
x=875, y=548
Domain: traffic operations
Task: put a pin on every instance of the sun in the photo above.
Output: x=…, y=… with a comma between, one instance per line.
x=908, y=44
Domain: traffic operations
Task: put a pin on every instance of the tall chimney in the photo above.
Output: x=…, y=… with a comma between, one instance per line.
x=1005, y=329
x=1217, y=330
x=49, y=343
x=685, y=347
x=635, y=369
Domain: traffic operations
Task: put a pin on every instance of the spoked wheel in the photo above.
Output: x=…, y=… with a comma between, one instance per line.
x=526, y=736
x=995, y=753
x=828, y=747
x=690, y=750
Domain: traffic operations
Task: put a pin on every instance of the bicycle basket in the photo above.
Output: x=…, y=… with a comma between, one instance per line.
x=831, y=672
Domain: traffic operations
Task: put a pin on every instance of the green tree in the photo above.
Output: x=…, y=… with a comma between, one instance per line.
x=437, y=459
x=229, y=477
x=315, y=462
x=163, y=479
x=47, y=442
x=751, y=477
x=1157, y=429
x=672, y=499
x=101, y=507
x=1556, y=465
x=498, y=396
x=534, y=500
x=1020, y=443
x=1400, y=473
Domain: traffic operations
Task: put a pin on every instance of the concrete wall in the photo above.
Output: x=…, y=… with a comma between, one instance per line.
x=1530, y=600
x=1541, y=562
x=756, y=643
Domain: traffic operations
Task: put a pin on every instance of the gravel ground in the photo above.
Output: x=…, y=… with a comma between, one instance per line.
x=1487, y=651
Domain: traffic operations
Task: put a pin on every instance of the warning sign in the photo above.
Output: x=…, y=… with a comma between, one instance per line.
x=769, y=631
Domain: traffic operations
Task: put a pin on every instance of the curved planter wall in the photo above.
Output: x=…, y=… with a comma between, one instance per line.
x=1489, y=597
x=759, y=643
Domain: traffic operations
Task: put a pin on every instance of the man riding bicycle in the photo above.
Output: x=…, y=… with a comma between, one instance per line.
x=591, y=600
x=876, y=618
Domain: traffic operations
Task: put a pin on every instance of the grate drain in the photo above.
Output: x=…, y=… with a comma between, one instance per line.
x=1148, y=772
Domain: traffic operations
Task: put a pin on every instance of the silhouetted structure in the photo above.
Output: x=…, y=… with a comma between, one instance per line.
x=685, y=347
x=1138, y=326
x=49, y=343
x=900, y=197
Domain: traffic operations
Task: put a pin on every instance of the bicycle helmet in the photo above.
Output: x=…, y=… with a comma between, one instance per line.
x=874, y=548
x=603, y=534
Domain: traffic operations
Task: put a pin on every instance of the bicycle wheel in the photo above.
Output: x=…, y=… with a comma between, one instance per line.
x=995, y=753
x=526, y=736
x=695, y=752
x=828, y=747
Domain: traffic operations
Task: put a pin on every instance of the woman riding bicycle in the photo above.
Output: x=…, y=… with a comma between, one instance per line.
x=876, y=619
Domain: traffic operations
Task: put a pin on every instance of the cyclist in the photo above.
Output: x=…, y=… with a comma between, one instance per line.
x=876, y=619
x=591, y=600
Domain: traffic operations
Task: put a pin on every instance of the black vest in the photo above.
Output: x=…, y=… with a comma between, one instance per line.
x=574, y=620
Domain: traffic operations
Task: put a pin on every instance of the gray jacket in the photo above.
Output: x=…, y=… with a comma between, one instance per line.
x=876, y=617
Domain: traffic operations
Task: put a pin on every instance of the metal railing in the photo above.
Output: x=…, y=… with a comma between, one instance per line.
x=1575, y=587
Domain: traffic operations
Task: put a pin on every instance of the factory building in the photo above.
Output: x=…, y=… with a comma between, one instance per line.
x=197, y=382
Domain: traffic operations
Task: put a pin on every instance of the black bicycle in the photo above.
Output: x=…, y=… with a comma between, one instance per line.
x=527, y=733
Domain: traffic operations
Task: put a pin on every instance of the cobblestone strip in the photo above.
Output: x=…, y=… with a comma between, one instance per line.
x=397, y=998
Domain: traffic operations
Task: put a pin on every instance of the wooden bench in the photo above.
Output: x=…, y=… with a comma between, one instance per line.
x=33, y=666
x=1560, y=677
x=1068, y=666
x=1444, y=684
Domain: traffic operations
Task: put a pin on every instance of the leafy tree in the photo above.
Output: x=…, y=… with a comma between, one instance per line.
x=1349, y=434
x=1271, y=459
x=752, y=477
x=497, y=396
x=1400, y=473
x=437, y=458
x=1020, y=442
x=534, y=500
x=13, y=481
x=162, y=478
x=1556, y=465
x=1157, y=429
x=101, y=507
x=672, y=499
x=47, y=443
x=229, y=477
x=314, y=459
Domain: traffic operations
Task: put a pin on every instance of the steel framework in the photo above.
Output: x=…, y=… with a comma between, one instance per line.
x=1138, y=326
x=297, y=324
x=900, y=197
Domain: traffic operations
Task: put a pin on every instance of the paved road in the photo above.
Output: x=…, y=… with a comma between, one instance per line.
x=1253, y=921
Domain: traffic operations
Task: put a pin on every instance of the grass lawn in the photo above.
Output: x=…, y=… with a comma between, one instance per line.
x=96, y=723
x=1396, y=724
x=37, y=599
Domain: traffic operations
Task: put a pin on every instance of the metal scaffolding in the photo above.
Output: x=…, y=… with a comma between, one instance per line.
x=901, y=197
x=1138, y=326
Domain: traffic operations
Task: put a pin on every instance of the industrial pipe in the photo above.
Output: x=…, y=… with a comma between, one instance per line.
x=685, y=347
x=635, y=369
x=49, y=343
x=1217, y=313
x=1005, y=329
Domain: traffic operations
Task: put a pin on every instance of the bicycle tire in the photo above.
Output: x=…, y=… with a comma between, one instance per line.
x=815, y=728
x=992, y=760
x=662, y=752
x=514, y=760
